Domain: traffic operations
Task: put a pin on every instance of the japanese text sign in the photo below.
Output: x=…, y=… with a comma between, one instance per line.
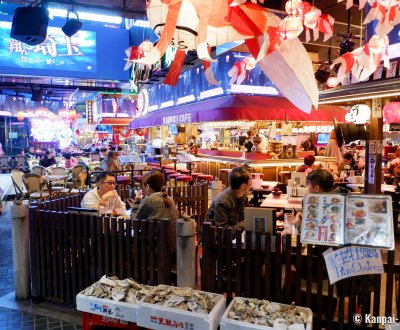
x=352, y=261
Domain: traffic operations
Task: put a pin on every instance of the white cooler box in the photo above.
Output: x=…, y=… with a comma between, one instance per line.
x=230, y=324
x=106, y=307
x=153, y=316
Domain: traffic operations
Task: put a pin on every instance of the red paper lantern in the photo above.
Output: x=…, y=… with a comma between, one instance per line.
x=20, y=115
x=72, y=115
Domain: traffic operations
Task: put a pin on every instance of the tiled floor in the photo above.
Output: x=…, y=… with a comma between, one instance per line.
x=25, y=315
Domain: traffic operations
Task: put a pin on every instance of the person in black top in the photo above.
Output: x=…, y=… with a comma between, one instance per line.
x=48, y=159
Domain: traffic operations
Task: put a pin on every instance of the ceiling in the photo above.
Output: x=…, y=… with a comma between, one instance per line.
x=346, y=23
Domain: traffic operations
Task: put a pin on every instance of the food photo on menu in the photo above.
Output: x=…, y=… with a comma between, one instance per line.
x=334, y=219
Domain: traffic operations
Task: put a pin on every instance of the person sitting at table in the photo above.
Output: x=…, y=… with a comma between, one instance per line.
x=70, y=161
x=157, y=204
x=30, y=152
x=321, y=151
x=348, y=164
x=48, y=159
x=308, y=165
x=111, y=163
x=228, y=207
x=322, y=181
x=104, y=197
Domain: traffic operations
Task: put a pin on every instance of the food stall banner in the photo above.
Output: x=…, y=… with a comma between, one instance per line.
x=238, y=107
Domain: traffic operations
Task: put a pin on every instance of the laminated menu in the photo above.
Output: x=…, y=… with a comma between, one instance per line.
x=334, y=219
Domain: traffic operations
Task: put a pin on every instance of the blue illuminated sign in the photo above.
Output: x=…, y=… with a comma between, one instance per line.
x=58, y=52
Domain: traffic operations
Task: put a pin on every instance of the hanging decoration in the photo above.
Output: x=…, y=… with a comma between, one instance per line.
x=20, y=115
x=363, y=61
x=303, y=13
x=72, y=115
x=189, y=25
x=238, y=72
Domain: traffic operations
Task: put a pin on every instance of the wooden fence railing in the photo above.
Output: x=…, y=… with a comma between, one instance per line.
x=272, y=268
x=61, y=204
x=71, y=251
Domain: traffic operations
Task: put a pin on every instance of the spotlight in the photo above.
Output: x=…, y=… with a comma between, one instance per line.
x=346, y=46
x=72, y=25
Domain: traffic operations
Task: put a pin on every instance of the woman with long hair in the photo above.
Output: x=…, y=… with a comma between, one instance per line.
x=111, y=163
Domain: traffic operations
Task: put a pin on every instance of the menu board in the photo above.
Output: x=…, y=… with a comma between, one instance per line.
x=334, y=219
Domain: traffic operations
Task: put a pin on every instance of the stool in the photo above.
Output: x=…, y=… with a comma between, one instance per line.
x=284, y=175
x=183, y=180
x=195, y=175
x=172, y=178
x=223, y=175
x=154, y=167
x=137, y=178
x=204, y=178
x=183, y=171
x=168, y=172
x=168, y=167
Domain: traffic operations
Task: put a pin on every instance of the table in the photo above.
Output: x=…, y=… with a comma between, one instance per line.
x=265, y=189
x=55, y=177
x=384, y=187
x=282, y=202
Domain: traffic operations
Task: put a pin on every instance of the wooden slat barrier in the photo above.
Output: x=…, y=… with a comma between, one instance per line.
x=71, y=251
x=192, y=200
x=61, y=204
x=274, y=268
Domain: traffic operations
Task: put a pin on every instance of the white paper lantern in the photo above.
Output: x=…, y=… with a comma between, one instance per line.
x=290, y=27
x=378, y=45
x=293, y=7
x=388, y=3
x=311, y=18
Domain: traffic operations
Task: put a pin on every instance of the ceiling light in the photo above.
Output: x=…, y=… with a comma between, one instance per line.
x=87, y=16
x=72, y=25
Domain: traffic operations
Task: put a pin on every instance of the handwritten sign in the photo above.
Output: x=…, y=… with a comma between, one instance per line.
x=376, y=108
x=352, y=261
x=371, y=169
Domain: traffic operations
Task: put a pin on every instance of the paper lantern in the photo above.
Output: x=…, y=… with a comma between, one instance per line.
x=378, y=45
x=290, y=27
x=293, y=7
x=72, y=115
x=20, y=115
x=391, y=112
x=311, y=18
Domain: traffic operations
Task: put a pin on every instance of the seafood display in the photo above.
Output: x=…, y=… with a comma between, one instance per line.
x=185, y=299
x=266, y=313
x=332, y=219
x=113, y=288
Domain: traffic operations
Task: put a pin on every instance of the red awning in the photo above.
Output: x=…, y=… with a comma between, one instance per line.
x=238, y=107
x=115, y=121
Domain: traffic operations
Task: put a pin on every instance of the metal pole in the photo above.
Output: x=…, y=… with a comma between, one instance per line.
x=186, y=253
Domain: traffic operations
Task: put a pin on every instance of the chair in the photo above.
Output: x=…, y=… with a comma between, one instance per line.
x=5, y=163
x=40, y=170
x=75, y=171
x=77, y=185
x=60, y=161
x=34, y=184
x=19, y=186
x=20, y=162
x=32, y=162
x=58, y=185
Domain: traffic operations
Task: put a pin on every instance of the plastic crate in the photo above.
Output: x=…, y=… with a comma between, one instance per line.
x=154, y=316
x=229, y=324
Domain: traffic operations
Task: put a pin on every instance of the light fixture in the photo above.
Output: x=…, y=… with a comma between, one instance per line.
x=20, y=115
x=72, y=25
x=72, y=115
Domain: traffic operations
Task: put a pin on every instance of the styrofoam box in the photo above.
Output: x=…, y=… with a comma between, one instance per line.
x=229, y=324
x=153, y=316
x=106, y=307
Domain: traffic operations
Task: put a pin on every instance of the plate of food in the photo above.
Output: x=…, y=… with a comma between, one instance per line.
x=335, y=200
x=359, y=203
x=312, y=200
x=311, y=216
x=312, y=208
x=358, y=213
x=311, y=225
x=377, y=206
x=310, y=234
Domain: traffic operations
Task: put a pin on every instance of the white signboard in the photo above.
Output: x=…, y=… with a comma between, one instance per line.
x=376, y=108
x=352, y=261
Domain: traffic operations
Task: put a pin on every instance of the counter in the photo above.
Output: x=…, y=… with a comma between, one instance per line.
x=212, y=161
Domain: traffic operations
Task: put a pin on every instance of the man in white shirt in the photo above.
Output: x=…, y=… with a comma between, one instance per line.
x=104, y=198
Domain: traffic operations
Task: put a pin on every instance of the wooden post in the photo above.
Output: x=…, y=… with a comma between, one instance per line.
x=374, y=150
x=186, y=253
x=20, y=243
